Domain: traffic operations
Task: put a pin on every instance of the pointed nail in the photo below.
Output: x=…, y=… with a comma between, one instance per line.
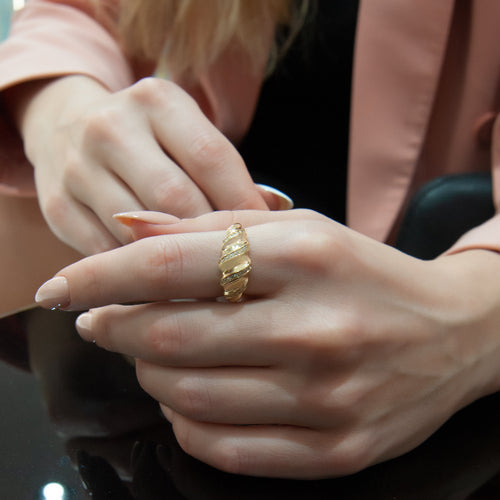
x=54, y=294
x=149, y=217
x=284, y=201
x=84, y=326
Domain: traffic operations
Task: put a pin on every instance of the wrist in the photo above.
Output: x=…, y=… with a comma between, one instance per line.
x=472, y=316
x=41, y=106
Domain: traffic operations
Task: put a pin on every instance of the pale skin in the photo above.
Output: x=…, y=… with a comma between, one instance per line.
x=345, y=352
x=96, y=153
x=149, y=146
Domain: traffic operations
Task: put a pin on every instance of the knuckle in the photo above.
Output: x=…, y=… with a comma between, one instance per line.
x=72, y=172
x=99, y=126
x=308, y=214
x=163, y=262
x=166, y=337
x=178, y=197
x=210, y=150
x=313, y=249
x=55, y=207
x=327, y=403
x=337, y=334
x=342, y=403
x=191, y=398
x=350, y=456
x=153, y=92
x=352, y=336
x=229, y=457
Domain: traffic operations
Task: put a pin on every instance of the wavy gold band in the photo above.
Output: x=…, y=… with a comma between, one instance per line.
x=235, y=263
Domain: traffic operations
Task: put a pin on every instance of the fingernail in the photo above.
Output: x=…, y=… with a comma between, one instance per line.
x=84, y=326
x=284, y=202
x=149, y=217
x=53, y=294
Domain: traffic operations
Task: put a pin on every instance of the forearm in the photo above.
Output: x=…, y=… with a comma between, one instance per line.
x=29, y=253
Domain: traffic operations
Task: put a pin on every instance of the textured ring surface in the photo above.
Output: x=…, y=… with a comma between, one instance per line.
x=235, y=263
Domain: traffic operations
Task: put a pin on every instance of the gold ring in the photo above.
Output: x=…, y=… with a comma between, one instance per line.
x=235, y=263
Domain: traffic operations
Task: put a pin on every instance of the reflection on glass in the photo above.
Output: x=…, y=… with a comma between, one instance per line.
x=54, y=491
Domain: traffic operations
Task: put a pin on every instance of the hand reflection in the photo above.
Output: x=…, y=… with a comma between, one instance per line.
x=88, y=392
x=122, y=446
x=454, y=463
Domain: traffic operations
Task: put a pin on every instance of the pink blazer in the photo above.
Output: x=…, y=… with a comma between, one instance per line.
x=426, y=96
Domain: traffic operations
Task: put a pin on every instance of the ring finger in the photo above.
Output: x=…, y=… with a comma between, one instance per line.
x=230, y=395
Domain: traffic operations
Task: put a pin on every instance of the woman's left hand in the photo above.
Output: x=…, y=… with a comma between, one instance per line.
x=344, y=353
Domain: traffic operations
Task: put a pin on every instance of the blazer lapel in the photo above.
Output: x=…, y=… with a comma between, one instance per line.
x=399, y=51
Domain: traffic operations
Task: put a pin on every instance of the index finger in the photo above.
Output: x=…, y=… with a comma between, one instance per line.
x=202, y=150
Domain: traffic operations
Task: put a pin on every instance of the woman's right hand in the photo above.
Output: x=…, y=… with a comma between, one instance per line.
x=146, y=147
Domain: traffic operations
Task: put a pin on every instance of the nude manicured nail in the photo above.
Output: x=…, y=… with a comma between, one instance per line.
x=53, y=294
x=128, y=218
x=284, y=201
x=84, y=326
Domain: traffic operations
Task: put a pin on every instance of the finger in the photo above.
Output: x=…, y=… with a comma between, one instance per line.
x=265, y=450
x=157, y=180
x=200, y=148
x=178, y=265
x=165, y=267
x=145, y=223
x=231, y=395
x=105, y=197
x=193, y=334
x=78, y=227
x=244, y=395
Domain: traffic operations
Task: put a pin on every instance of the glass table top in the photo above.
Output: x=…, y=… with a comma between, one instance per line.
x=76, y=425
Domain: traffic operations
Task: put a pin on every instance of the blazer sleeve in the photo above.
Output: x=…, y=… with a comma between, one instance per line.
x=51, y=38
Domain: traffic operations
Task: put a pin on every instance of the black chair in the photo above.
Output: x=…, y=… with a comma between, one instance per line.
x=443, y=210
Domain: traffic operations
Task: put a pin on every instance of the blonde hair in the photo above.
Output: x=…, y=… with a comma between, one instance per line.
x=195, y=32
